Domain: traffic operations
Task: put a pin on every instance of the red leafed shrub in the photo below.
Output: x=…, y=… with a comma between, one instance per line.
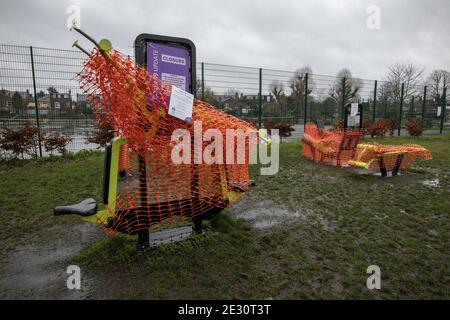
x=392, y=125
x=103, y=134
x=284, y=130
x=339, y=124
x=56, y=141
x=25, y=141
x=13, y=142
x=378, y=128
x=21, y=142
x=366, y=125
x=414, y=127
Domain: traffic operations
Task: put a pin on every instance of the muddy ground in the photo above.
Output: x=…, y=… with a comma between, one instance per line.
x=37, y=270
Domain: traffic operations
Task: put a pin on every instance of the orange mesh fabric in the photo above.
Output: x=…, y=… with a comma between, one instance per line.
x=333, y=147
x=370, y=153
x=124, y=159
x=153, y=188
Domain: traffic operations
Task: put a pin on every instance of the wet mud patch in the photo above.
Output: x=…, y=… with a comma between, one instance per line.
x=264, y=214
x=37, y=270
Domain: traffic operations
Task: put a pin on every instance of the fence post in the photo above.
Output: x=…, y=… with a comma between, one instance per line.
x=444, y=107
x=306, y=100
x=260, y=99
x=400, y=113
x=424, y=102
x=374, y=101
x=36, y=108
x=203, y=81
x=343, y=99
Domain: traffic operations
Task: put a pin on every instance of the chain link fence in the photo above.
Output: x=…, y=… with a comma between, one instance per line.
x=40, y=86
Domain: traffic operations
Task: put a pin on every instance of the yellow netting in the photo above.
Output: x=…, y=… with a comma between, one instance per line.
x=368, y=155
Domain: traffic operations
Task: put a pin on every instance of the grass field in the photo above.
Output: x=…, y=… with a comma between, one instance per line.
x=311, y=231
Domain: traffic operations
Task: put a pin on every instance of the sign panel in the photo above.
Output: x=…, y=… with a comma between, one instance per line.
x=353, y=115
x=170, y=64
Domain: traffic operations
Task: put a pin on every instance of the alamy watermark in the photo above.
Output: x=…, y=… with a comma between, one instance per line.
x=74, y=19
x=374, y=280
x=74, y=280
x=239, y=147
x=373, y=21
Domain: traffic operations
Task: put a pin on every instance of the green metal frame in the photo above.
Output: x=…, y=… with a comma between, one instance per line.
x=105, y=210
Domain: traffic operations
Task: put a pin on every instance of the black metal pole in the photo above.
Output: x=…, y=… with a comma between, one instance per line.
x=36, y=108
x=444, y=106
x=400, y=113
x=143, y=234
x=424, y=103
x=203, y=81
x=374, y=115
x=260, y=99
x=343, y=98
x=305, y=120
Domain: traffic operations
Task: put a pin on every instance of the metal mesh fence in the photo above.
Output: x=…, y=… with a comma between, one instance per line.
x=53, y=85
x=258, y=95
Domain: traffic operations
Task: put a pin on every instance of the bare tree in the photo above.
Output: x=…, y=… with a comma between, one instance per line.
x=402, y=73
x=277, y=89
x=437, y=81
x=297, y=84
x=352, y=86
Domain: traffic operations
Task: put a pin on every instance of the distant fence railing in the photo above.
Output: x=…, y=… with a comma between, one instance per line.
x=40, y=85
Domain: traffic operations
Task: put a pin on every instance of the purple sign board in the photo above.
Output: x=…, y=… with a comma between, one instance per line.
x=170, y=64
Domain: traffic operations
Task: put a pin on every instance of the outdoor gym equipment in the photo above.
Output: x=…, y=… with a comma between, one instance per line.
x=340, y=147
x=388, y=158
x=142, y=185
x=334, y=147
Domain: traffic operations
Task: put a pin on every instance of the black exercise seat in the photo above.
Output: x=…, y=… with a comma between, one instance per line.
x=85, y=208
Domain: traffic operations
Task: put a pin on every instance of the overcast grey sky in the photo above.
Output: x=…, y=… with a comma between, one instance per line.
x=325, y=34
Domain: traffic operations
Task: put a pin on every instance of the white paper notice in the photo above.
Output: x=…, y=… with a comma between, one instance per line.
x=439, y=110
x=354, y=109
x=180, y=104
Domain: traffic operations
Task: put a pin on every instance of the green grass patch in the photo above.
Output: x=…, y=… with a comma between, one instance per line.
x=349, y=221
x=31, y=189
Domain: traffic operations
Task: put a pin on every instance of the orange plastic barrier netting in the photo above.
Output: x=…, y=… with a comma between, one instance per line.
x=333, y=147
x=368, y=155
x=151, y=187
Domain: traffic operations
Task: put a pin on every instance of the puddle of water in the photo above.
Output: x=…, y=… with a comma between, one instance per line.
x=263, y=214
x=433, y=183
x=37, y=271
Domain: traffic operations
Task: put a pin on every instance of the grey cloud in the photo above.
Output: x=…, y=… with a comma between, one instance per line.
x=327, y=35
